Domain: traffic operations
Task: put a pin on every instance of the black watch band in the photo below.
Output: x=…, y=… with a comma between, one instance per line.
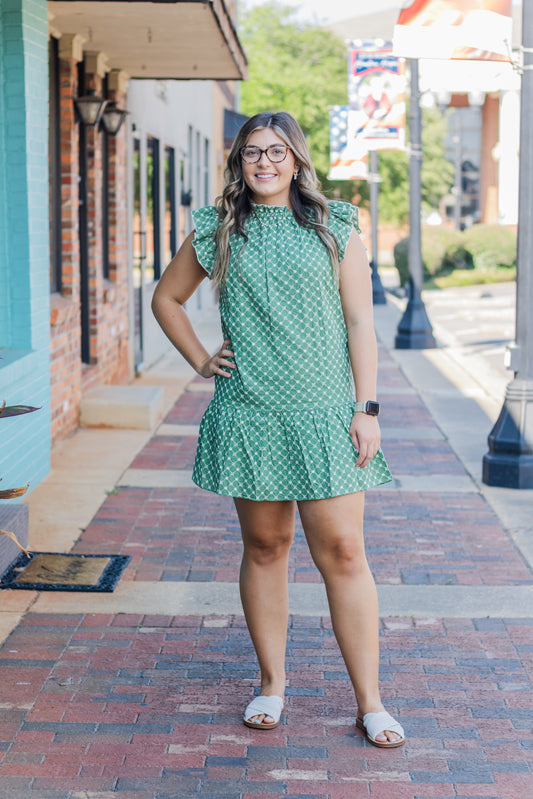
x=370, y=406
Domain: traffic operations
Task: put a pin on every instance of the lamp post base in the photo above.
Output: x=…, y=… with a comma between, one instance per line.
x=415, y=331
x=378, y=292
x=509, y=461
x=508, y=471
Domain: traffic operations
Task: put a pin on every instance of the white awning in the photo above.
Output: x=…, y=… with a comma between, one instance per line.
x=162, y=39
x=461, y=77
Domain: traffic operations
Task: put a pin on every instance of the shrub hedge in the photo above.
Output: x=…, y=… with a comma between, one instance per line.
x=482, y=247
x=491, y=246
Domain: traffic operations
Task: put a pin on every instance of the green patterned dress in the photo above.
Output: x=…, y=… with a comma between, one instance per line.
x=278, y=428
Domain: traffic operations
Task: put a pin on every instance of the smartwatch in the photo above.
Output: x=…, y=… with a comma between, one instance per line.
x=370, y=407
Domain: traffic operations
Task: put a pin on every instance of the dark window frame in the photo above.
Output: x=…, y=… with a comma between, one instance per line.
x=83, y=229
x=105, y=192
x=170, y=197
x=206, y=171
x=54, y=162
x=154, y=148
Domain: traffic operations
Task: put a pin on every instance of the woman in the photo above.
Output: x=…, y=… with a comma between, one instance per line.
x=284, y=427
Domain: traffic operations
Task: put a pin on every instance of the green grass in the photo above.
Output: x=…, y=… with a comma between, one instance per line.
x=470, y=277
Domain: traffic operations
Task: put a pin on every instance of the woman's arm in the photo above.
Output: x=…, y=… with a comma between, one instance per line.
x=356, y=297
x=178, y=282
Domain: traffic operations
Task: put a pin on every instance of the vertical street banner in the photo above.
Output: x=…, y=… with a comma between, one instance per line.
x=345, y=163
x=455, y=29
x=374, y=118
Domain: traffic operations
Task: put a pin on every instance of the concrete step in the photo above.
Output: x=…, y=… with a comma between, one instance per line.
x=133, y=407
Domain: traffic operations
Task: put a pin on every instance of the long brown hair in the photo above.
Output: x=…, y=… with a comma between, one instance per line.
x=308, y=204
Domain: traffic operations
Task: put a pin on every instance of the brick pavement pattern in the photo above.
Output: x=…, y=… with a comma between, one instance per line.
x=149, y=707
x=416, y=537
x=412, y=537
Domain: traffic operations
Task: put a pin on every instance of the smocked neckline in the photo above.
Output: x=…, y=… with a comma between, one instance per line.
x=259, y=207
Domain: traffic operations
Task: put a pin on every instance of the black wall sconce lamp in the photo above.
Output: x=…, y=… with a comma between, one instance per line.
x=93, y=109
x=90, y=108
x=113, y=117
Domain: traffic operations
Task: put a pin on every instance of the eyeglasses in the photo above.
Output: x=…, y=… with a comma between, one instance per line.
x=276, y=153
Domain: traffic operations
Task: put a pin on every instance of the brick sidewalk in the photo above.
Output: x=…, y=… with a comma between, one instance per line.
x=150, y=707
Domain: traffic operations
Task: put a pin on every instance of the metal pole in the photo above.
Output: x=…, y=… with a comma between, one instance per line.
x=378, y=293
x=509, y=461
x=414, y=330
x=458, y=172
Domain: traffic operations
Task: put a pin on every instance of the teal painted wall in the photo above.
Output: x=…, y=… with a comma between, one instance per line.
x=24, y=240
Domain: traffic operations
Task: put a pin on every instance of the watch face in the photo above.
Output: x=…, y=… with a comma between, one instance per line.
x=372, y=408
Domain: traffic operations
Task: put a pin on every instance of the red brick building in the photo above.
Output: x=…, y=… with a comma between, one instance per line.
x=98, y=48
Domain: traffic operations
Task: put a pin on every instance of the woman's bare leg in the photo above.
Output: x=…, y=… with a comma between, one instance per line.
x=334, y=531
x=267, y=532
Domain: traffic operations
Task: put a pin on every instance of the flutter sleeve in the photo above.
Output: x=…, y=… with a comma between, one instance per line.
x=205, y=222
x=343, y=218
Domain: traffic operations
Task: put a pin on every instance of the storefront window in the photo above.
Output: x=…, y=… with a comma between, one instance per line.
x=139, y=241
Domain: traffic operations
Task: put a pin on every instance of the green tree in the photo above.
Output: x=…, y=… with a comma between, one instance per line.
x=301, y=68
x=437, y=172
x=295, y=67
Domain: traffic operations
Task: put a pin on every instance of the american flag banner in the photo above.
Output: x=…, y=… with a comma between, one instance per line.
x=374, y=118
x=455, y=29
x=343, y=167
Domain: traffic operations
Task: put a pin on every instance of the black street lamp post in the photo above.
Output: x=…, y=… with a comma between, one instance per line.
x=414, y=330
x=509, y=461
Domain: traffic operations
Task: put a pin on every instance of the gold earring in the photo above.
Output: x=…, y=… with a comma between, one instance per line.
x=295, y=175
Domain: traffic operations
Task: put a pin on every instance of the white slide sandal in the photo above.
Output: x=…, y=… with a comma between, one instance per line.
x=376, y=723
x=267, y=705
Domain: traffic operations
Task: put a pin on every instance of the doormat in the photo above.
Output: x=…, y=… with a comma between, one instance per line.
x=51, y=571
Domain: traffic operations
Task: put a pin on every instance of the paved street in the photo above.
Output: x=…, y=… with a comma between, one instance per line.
x=479, y=319
x=140, y=692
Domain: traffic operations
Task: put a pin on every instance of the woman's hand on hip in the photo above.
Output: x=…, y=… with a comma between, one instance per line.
x=366, y=437
x=216, y=363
